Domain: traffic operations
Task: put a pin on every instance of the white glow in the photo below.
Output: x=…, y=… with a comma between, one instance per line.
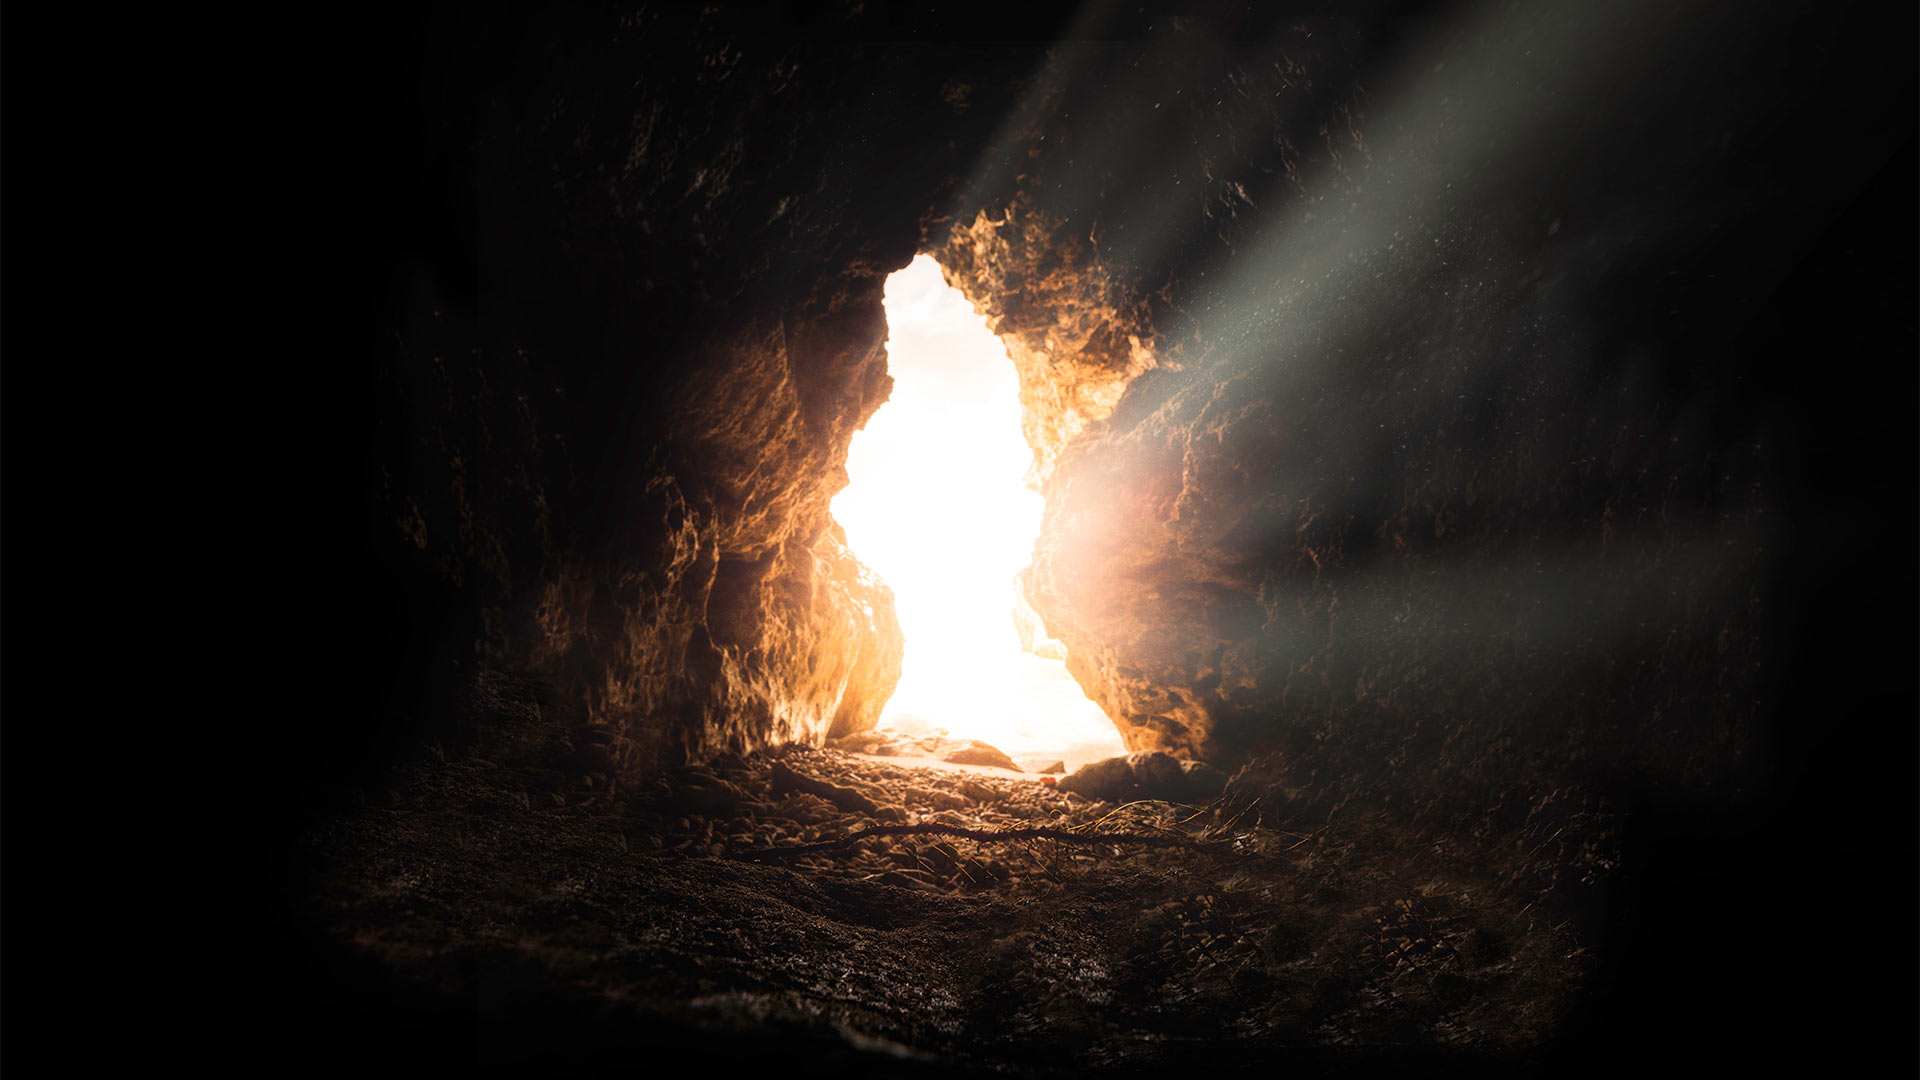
x=938, y=508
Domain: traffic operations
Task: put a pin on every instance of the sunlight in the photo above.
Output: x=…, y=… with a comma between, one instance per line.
x=937, y=507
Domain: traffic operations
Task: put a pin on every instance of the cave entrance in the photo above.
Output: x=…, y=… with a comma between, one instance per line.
x=938, y=507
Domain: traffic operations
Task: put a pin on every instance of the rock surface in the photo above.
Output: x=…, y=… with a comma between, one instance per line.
x=1146, y=774
x=1363, y=455
x=1341, y=462
x=1075, y=335
x=849, y=798
x=974, y=752
x=624, y=347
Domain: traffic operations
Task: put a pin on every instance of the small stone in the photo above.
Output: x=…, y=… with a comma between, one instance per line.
x=808, y=809
x=936, y=798
x=979, y=792
x=846, y=798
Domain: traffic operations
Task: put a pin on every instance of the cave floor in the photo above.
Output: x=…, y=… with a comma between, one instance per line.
x=482, y=908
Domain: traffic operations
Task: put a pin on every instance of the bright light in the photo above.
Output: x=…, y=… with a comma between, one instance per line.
x=938, y=508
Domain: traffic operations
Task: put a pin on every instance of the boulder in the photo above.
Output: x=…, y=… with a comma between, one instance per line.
x=1109, y=780
x=974, y=752
x=1148, y=774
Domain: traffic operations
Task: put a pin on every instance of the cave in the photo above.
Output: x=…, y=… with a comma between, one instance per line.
x=1438, y=494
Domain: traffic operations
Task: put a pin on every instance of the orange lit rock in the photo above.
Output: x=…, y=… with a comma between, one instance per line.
x=604, y=433
x=1404, y=510
x=1073, y=332
x=974, y=752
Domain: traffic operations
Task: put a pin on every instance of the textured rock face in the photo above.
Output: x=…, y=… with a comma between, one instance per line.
x=1073, y=333
x=1392, y=436
x=632, y=327
x=1361, y=452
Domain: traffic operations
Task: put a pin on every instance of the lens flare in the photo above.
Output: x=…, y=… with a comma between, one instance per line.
x=937, y=507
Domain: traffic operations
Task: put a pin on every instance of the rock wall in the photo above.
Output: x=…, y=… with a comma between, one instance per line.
x=1398, y=426
x=1389, y=382
x=632, y=318
x=1074, y=334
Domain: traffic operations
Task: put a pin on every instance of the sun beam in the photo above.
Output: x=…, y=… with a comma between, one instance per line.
x=937, y=507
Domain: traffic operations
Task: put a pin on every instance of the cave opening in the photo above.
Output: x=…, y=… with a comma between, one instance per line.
x=938, y=506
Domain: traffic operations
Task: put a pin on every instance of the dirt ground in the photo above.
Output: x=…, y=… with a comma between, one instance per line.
x=487, y=906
